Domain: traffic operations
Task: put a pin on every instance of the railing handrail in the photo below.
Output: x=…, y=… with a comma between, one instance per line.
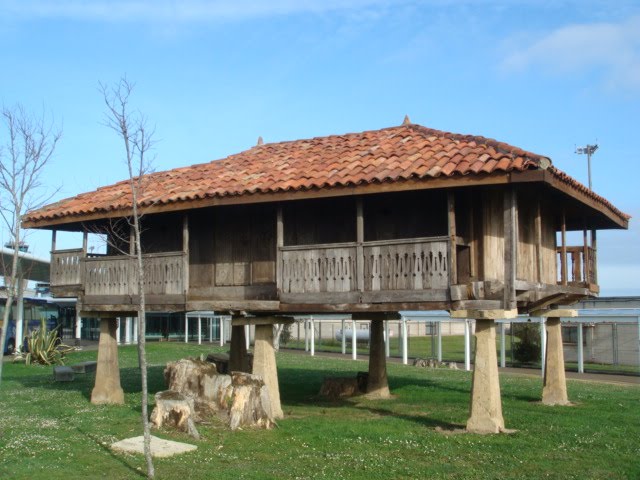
x=100, y=258
x=68, y=250
x=371, y=243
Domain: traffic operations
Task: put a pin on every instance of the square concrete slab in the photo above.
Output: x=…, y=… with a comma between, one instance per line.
x=85, y=367
x=159, y=446
x=62, y=374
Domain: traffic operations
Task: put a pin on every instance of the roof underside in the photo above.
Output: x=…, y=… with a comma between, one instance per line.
x=392, y=155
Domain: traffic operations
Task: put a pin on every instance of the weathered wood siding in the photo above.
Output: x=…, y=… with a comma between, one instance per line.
x=493, y=235
x=548, y=250
x=244, y=245
x=527, y=258
x=313, y=222
x=393, y=216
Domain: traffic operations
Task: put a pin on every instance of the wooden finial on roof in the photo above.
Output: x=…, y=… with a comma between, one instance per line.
x=260, y=141
x=406, y=120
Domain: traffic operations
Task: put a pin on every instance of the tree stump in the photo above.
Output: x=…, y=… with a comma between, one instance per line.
x=339, y=387
x=239, y=399
x=176, y=410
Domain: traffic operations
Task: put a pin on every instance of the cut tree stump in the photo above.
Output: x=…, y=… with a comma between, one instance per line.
x=176, y=410
x=339, y=387
x=239, y=400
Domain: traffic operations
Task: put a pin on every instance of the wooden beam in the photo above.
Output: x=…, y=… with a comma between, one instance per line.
x=538, y=239
x=473, y=242
x=359, y=245
x=563, y=250
x=279, y=245
x=585, y=255
x=594, y=249
x=510, y=248
x=185, y=251
x=451, y=220
x=132, y=241
x=269, y=320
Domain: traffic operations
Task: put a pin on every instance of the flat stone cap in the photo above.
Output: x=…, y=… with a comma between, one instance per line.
x=159, y=446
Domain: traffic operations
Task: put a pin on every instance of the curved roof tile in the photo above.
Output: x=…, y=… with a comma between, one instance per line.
x=388, y=155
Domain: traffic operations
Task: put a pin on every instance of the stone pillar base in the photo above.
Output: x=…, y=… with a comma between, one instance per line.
x=485, y=413
x=377, y=384
x=107, y=388
x=554, y=391
x=264, y=365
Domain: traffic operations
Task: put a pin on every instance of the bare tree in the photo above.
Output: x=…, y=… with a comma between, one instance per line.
x=28, y=148
x=138, y=141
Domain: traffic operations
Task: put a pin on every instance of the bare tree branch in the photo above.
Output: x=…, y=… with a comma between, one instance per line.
x=29, y=146
x=137, y=139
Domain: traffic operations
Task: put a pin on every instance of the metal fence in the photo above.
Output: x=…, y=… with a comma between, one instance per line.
x=592, y=343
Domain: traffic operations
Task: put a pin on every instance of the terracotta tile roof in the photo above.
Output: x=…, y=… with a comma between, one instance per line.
x=393, y=154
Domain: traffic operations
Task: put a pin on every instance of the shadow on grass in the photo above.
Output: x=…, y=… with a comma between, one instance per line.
x=130, y=381
x=111, y=453
x=419, y=419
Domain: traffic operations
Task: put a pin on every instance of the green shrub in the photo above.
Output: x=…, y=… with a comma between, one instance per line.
x=45, y=348
x=527, y=348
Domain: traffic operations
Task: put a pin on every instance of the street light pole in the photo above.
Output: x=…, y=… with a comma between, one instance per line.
x=588, y=151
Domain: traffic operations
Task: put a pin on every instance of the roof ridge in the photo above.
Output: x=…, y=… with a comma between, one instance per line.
x=500, y=147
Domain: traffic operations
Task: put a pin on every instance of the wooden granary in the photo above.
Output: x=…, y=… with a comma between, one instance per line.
x=371, y=223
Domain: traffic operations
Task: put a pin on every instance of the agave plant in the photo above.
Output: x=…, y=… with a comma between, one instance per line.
x=45, y=348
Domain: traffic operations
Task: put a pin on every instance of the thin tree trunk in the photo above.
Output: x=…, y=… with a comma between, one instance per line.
x=142, y=324
x=10, y=298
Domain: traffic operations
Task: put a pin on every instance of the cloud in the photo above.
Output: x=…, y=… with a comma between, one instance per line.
x=612, y=49
x=175, y=10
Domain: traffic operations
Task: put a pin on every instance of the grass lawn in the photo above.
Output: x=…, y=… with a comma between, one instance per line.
x=50, y=430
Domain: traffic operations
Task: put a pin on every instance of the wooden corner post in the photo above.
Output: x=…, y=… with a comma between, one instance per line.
x=359, y=245
x=510, y=248
x=453, y=254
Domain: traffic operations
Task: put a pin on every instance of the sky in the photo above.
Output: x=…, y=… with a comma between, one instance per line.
x=213, y=76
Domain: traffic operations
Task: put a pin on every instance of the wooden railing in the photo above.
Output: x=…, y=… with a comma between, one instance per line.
x=117, y=275
x=319, y=268
x=578, y=266
x=415, y=264
x=65, y=267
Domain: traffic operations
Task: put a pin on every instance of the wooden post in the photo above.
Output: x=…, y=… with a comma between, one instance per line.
x=451, y=218
x=359, y=245
x=510, y=248
x=563, y=250
x=132, y=241
x=54, y=234
x=85, y=241
x=279, y=245
x=185, y=252
x=538, y=234
x=473, y=242
x=594, y=252
x=585, y=256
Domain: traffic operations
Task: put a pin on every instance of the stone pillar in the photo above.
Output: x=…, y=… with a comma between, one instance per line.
x=238, y=353
x=377, y=385
x=264, y=365
x=554, y=391
x=107, y=388
x=485, y=415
